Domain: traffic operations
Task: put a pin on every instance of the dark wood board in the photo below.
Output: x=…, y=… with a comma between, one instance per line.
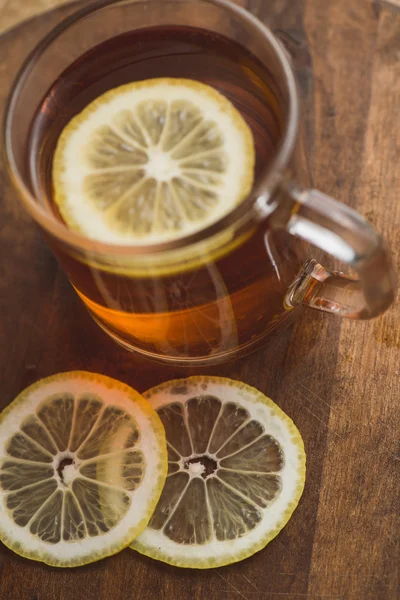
x=338, y=380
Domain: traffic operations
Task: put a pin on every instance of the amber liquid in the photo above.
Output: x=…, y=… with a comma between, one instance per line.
x=221, y=306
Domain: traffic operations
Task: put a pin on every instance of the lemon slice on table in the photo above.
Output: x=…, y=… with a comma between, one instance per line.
x=152, y=161
x=236, y=473
x=82, y=464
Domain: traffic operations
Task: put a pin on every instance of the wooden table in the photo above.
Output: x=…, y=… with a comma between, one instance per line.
x=338, y=380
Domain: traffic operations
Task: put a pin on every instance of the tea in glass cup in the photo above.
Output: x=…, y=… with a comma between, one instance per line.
x=221, y=290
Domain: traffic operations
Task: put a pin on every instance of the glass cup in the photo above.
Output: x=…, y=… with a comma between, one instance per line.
x=221, y=292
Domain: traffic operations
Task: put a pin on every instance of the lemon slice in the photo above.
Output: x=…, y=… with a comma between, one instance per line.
x=236, y=473
x=82, y=464
x=152, y=161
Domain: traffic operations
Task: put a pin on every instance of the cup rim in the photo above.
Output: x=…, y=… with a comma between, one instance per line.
x=268, y=182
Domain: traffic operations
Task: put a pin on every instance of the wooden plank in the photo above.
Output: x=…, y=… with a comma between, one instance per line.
x=390, y=4
x=354, y=548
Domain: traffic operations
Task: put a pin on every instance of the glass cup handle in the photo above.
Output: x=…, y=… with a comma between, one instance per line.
x=341, y=232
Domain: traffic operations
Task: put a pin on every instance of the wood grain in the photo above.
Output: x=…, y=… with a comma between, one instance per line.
x=338, y=380
x=12, y=13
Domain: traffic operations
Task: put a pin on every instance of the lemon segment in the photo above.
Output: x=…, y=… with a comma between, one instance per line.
x=236, y=473
x=152, y=161
x=83, y=461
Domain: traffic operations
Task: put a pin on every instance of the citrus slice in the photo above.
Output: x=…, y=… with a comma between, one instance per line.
x=152, y=161
x=82, y=465
x=236, y=473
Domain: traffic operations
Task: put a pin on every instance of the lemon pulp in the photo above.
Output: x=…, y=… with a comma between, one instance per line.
x=236, y=472
x=82, y=464
x=152, y=161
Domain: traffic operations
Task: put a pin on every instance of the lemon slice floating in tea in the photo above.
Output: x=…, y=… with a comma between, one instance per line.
x=152, y=161
x=236, y=473
x=82, y=464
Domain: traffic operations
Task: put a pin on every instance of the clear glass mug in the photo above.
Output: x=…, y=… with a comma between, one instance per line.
x=217, y=294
